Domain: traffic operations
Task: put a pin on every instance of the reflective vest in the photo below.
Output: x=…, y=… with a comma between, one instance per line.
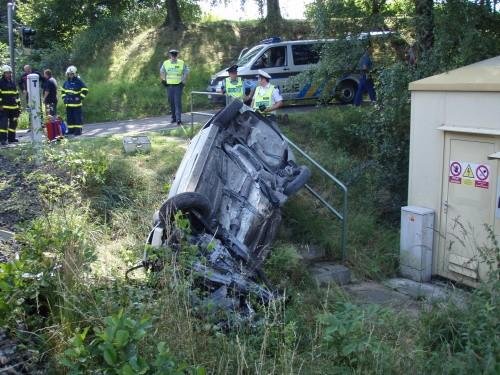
x=73, y=92
x=263, y=96
x=234, y=89
x=9, y=95
x=173, y=71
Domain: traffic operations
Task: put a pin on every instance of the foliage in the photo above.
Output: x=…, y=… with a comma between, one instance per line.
x=118, y=348
x=285, y=267
x=4, y=53
x=54, y=248
x=345, y=336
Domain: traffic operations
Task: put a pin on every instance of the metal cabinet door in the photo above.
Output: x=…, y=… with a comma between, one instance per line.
x=468, y=205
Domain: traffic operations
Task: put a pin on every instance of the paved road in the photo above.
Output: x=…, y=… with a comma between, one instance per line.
x=103, y=129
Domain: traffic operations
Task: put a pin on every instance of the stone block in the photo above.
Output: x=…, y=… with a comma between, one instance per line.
x=326, y=273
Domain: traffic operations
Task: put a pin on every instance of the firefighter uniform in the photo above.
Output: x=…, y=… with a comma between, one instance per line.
x=10, y=107
x=73, y=93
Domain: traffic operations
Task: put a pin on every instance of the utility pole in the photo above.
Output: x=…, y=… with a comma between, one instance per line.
x=10, y=16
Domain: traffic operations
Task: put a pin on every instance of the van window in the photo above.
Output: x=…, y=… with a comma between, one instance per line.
x=249, y=55
x=272, y=57
x=304, y=54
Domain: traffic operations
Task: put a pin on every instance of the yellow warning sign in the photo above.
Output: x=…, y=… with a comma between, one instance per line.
x=468, y=172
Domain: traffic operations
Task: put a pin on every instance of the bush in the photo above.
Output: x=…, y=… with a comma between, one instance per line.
x=118, y=348
x=463, y=339
x=359, y=339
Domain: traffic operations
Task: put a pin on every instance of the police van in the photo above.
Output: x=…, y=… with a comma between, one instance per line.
x=282, y=60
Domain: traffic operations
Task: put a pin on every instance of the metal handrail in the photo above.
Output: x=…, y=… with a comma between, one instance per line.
x=201, y=113
x=341, y=216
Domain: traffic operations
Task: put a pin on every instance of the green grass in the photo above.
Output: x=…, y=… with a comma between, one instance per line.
x=97, y=206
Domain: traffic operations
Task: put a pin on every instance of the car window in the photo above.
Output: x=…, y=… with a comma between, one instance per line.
x=249, y=55
x=304, y=54
x=272, y=57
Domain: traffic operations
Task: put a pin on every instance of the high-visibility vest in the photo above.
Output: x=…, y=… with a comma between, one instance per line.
x=173, y=71
x=234, y=89
x=263, y=96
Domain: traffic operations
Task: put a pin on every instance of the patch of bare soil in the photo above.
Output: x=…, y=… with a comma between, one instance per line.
x=19, y=203
x=18, y=196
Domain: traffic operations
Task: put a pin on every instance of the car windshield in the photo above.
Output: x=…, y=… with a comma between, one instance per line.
x=249, y=55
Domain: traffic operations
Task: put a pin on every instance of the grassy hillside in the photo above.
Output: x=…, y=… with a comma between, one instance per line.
x=123, y=74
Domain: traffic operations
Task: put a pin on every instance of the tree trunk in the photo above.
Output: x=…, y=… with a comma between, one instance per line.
x=273, y=19
x=173, y=19
x=273, y=11
x=424, y=25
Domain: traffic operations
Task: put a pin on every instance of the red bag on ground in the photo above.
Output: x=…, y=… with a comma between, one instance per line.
x=53, y=127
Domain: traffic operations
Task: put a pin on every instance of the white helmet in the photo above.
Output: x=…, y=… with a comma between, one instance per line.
x=6, y=68
x=71, y=70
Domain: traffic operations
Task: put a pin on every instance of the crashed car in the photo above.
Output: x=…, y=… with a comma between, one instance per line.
x=235, y=176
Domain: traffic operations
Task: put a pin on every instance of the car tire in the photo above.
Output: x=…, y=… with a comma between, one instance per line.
x=187, y=203
x=227, y=113
x=298, y=181
x=346, y=91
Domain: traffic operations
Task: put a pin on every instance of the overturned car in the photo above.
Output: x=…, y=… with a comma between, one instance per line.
x=236, y=174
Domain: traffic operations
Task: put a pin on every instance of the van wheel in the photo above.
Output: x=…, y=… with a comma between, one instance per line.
x=346, y=91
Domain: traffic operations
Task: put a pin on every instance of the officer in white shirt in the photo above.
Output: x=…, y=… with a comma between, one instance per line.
x=266, y=98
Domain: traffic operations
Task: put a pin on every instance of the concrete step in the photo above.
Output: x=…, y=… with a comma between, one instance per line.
x=325, y=273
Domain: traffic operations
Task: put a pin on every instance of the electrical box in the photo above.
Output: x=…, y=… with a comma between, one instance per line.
x=417, y=236
x=138, y=143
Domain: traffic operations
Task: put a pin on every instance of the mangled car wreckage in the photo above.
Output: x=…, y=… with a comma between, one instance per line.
x=236, y=174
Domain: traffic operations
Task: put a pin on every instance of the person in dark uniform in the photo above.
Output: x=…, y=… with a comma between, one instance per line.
x=365, y=65
x=50, y=93
x=73, y=93
x=10, y=107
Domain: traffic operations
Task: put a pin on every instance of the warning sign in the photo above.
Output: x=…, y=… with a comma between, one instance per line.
x=469, y=174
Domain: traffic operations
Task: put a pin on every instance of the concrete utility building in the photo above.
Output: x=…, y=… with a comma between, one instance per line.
x=454, y=170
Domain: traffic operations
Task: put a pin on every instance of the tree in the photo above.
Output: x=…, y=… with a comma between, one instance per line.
x=424, y=25
x=173, y=19
x=273, y=11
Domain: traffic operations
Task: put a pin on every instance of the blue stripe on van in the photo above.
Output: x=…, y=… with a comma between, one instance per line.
x=303, y=91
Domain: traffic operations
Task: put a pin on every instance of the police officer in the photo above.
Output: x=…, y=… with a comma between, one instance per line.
x=267, y=98
x=73, y=93
x=173, y=74
x=10, y=107
x=235, y=87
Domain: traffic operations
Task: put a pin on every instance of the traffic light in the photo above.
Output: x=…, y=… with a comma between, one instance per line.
x=27, y=36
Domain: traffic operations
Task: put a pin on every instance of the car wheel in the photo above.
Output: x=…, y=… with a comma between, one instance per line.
x=227, y=113
x=298, y=181
x=346, y=91
x=187, y=203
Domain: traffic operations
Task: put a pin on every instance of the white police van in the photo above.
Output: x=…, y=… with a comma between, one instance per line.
x=282, y=60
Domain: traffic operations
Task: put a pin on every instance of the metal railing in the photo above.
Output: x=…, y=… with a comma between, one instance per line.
x=206, y=93
x=342, y=216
